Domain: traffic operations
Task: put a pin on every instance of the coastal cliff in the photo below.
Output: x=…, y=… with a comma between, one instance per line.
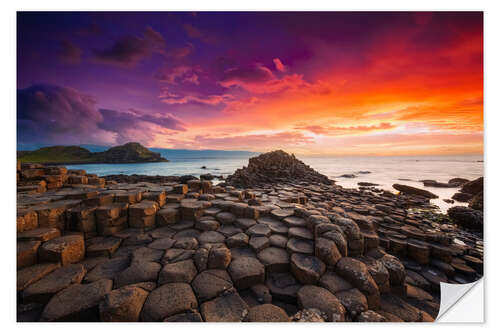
x=131, y=152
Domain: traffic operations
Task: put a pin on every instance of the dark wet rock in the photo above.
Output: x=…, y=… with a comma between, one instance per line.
x=477, y=201
x=367, y=184
x=473, y=187
x=462, y=197
x=466, y=217
x=458, y=181
x=283, y=286
x=413, y=190
x=137, y=272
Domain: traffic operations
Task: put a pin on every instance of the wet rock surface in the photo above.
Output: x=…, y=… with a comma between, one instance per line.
x=286, y=248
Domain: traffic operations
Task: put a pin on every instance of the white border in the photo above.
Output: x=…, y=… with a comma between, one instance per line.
x=8, y=125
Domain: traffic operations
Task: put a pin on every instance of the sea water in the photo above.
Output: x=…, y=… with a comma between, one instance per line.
x=382, y=170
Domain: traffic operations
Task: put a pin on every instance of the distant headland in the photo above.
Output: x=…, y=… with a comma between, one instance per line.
x=131, y=152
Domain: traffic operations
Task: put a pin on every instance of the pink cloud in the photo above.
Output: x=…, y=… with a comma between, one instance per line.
x=259, y=79
x=171, y=98
x=335, y=130
x=254, y=141
x=279, y=65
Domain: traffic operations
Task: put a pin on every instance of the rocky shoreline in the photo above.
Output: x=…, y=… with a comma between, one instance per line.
x=275, y=242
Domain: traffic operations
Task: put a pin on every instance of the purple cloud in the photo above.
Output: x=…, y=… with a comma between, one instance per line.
x=69, y=53
x=129, y=50
x=60, y=115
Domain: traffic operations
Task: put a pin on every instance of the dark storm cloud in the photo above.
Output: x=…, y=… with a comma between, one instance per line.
x=60, y=115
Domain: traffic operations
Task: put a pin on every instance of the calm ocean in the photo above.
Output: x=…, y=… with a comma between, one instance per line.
x=384, y=171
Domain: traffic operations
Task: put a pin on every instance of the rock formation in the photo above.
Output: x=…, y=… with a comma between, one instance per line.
x=273, y=167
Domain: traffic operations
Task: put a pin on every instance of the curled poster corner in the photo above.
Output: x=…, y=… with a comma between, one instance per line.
x=465, y=308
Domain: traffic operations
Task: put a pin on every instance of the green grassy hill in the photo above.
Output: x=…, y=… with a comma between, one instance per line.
x=131, y=152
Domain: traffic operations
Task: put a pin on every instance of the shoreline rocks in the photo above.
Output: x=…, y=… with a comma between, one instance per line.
x=189, y=250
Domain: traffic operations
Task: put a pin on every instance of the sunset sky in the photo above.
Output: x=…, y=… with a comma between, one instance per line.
x=338, y=83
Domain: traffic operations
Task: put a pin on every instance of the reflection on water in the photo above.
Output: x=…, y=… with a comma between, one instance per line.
x=384, y=171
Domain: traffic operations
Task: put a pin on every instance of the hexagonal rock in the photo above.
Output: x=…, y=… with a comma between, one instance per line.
x=334, y=283
x=313, y=297
x=206, y=224
x=278, y=241
x=267, y=313
x=181, y=271
x=39, y=234
x=237, y=240
x=397, y=272
x=66, y=250
x=295, y=245
x=327, y=251
x=225, y=218
x=27, y=253
x=314, y=220
x=353, y=301
x=226, y=308
x=301, y=233
x=146, y=254
x=138, y=272
x=244, y=223
x=358, y=275
x=246, y=272
x=162, y=244
x=168, y=300
x=211, y=283
x=78, y=302
x=274, y=259
x=191, y=210
x=258, y=243
x=43, y=290
x=107, y=269
x=294, y=221
x=259, y=230
x=283, y=286
x=219, y=257
x=167, y=216
x=192, y=317
x=102, y=246
x=142, y=214
x=261, y=294
x=307, y=269
x=123, y=305
x=32, y=274
x=211, y=237
x=281, y=214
